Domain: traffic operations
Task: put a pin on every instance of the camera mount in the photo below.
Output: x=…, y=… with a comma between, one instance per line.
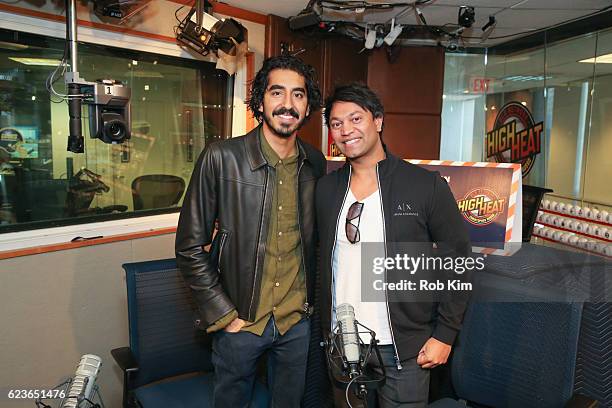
x=108, y=99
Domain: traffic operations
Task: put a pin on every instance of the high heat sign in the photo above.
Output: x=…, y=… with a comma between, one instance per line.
x=515, y=137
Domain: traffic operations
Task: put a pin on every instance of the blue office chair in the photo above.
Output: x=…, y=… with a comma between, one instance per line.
x=515, y=355
x=168, y=363
x=536, y=354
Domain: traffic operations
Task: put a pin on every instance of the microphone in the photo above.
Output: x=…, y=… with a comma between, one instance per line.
x=84, y=379
x=345, y=315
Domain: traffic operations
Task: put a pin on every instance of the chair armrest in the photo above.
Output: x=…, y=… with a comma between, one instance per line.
x=581, y=401
x=125, y=359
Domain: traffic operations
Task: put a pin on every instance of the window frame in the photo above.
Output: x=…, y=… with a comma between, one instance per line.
x=51, y=34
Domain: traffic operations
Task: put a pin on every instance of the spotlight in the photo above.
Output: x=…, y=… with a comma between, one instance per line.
x=489, y=24
x=452, y=45
x=118, y=9
x=210, y=34
x=393, y=34
x=308, y=17
x=466, y=16
x=370, y=40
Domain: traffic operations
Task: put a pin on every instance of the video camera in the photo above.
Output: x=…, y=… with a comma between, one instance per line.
x=109, y=111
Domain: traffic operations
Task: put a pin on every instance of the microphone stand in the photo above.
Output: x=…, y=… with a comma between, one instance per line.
x=342, y=372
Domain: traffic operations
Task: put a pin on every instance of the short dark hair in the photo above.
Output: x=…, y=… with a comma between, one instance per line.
x=358, y=94
x=260, y=82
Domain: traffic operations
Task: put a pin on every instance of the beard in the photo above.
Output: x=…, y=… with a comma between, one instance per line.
x=284, y=130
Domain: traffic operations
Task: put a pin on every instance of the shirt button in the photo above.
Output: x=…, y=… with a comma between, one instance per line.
x=280, y=233
x=277, y=284
x=274, y=309
x=279, y=259
x=280, y=182
x=280, y=207
x=280, y=162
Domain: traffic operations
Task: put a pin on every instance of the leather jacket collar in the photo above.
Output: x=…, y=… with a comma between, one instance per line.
x=255, y=153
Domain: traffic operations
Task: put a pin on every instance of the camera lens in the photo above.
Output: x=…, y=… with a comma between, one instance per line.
x=115, y=130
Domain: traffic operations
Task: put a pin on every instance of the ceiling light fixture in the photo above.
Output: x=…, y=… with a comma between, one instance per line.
x=45, y=62
x=602, y=59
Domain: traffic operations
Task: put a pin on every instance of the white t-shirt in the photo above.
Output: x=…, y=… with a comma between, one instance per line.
x=346, y=267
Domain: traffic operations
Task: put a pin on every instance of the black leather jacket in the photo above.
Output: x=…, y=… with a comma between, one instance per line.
x=231, y=183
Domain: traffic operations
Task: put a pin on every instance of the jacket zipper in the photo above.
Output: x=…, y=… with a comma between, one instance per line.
x=301, y=237
x=263, y=211
x=382, y=208
x=223, y=237
x=331, y=315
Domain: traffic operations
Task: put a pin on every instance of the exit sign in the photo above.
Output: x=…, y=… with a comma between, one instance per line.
x=481, y=85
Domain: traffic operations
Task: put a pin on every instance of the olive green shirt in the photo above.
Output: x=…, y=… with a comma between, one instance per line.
x=283, y=289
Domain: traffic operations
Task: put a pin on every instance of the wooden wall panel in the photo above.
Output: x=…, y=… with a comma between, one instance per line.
x=412, y=136
x=343, y=63
x=410, y=89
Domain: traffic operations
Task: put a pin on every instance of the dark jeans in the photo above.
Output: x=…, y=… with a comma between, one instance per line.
x=405, y=388
x=235, y=360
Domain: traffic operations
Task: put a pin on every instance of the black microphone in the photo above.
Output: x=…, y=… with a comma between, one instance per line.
x=76, y=142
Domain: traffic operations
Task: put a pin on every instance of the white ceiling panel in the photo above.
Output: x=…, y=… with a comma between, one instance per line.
x=531, y=4
x=520, y=18
x=513, y=16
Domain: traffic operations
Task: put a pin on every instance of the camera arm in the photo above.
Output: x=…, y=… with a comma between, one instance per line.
x=108, y=100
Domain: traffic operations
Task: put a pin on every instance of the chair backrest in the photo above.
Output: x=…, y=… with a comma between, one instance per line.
x=517, y=354
x=44, y=199
x=161, y=311
x=532, y=197
x=157, y=191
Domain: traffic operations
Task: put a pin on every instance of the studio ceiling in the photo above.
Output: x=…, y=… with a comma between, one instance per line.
x=515, y=18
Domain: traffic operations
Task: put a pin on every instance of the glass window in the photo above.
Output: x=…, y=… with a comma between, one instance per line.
x=463, y=107
x=178, y=106
x=598, y=163
x=563, y=86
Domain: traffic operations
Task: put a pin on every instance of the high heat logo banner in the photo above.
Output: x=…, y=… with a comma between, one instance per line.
x=515, y=137
x=488, y=196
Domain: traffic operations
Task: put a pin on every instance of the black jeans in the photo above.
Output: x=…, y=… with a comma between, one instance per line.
x=405, y=388
x=235, y=360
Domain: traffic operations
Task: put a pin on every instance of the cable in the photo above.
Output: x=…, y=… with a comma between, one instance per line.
x=543, y=28
x=176, y=14
x=346, y=393
x=348, y=387
x=354, y=5
x=63, y=65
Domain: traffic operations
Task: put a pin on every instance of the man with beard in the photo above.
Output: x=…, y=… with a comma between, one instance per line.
x=255, y=284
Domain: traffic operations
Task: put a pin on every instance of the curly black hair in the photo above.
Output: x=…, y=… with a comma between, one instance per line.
x=358, y=94
x=260, y=83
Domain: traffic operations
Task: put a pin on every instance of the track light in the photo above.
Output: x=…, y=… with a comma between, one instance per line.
x=489, y=24
x=466, y=16
x=370, y=38
x=393, y=34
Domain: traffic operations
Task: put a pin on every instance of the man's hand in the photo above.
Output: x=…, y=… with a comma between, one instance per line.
x=433, y=353
x=235, y=325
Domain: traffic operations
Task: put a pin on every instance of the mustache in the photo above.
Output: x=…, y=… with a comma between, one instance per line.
x=284, y=111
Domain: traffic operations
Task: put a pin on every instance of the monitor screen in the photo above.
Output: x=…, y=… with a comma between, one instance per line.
x=21, y=142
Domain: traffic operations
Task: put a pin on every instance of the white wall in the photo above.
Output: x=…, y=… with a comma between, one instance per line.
x=60, y=305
